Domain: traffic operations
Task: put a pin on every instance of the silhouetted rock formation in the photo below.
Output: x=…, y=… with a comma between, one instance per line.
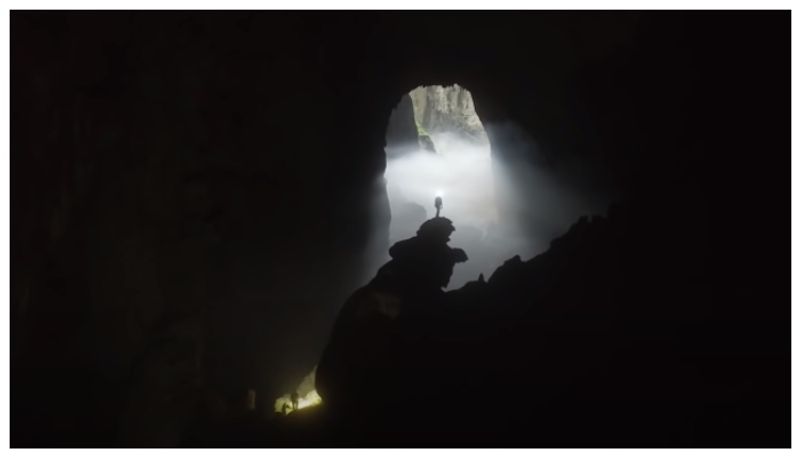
x=570, y=348
x=381, y=334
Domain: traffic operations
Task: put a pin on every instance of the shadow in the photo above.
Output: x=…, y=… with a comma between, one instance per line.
x=569, y=349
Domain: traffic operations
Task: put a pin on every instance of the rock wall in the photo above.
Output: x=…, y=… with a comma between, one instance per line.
x=401, y=132
x=571, y=348
x=440, y=109
x=164, y=226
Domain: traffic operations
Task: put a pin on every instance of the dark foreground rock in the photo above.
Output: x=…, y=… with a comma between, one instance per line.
x=588, y=344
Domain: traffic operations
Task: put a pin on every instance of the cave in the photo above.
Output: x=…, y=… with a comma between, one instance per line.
x=195, y=196
x=437, y=147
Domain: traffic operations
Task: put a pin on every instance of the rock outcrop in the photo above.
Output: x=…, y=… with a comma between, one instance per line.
x=450, y=109
x=575, y=347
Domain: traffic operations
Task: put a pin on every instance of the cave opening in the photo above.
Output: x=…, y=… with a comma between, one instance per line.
x=504, y=195
x=437, y=146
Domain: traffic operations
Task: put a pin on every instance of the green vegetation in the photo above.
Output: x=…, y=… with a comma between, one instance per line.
x=420, y=129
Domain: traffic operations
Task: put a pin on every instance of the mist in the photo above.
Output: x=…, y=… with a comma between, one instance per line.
x=499, y=208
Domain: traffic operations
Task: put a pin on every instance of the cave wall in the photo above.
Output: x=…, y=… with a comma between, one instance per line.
x=176, y=229
x=401, y=132
x=447, y=109
x=192, y=193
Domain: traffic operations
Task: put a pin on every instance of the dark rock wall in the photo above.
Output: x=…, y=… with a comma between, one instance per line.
x=401, y=132
x=192, y=193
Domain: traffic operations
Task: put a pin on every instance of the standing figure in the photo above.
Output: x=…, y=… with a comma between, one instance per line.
x=437, y=202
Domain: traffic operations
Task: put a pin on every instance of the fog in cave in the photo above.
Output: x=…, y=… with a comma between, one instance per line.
x=438, y=146
x=203, y=206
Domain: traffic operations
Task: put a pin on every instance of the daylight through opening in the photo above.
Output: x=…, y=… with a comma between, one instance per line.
x=436, y=146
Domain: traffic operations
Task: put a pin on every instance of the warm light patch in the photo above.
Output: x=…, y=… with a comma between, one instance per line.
x=310, y=399
x=307, y=396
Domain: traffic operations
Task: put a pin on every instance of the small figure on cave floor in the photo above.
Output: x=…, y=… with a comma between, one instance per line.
x=295, y=401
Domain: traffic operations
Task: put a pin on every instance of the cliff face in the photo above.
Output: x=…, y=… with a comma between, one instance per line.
x=440, y=109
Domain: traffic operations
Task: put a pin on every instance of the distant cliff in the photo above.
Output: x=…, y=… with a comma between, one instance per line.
x=440, y=109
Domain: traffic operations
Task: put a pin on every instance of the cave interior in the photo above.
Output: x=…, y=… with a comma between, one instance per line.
x=195, y=194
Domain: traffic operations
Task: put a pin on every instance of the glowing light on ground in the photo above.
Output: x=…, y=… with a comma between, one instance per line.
x=310, y=399
x=307, y=396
